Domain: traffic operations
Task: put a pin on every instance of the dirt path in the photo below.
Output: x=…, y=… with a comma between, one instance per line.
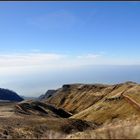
x=131, y=101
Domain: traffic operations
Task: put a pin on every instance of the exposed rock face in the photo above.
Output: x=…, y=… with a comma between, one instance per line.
x=39, y=108
x=9, y=95
x=47, y=95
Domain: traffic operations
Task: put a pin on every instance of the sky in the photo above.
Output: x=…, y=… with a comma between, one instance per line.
x=44, y=45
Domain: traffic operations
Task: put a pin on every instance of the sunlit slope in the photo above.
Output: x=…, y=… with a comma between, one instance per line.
x=98, y=102
x=77, y=97
x=114, y=105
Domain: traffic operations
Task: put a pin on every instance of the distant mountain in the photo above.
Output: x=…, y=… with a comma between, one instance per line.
x=47, y=95
x=28, y=98
x=9, y=95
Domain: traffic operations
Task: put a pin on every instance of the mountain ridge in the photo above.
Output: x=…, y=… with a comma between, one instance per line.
x=90, y=101
x=9, y=95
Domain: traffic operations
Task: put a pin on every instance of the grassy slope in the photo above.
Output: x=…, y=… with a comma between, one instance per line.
x=98, y=103
x=107, y=110
x=121, y=129
x=78, y=97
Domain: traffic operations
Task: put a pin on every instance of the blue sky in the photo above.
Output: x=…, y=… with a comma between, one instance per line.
x=41, y=39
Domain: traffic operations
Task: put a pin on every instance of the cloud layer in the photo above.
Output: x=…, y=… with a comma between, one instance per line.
x=46, y=60
x=55, y=60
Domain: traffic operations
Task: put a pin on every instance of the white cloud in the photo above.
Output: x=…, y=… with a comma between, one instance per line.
x=14, y=65
x=50, y=61
x=30, y=59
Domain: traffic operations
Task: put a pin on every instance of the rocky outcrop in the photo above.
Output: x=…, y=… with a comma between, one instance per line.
x=39, y=108
x=47, y=95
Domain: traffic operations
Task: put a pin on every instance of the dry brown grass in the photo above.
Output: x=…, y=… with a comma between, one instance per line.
x=111, y=107
x=97, y=103
x=122, y=129
x=74, y=99
x=110, y=115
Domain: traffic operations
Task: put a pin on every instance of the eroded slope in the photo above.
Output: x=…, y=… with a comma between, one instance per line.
x=99, y=103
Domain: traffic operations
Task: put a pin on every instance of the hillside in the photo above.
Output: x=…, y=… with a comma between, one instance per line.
x=6, y=94
x=121, y=103
x=121, y=129
x=98, y=103
x=75, y=111
x=37, y=120
x=74, y=97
